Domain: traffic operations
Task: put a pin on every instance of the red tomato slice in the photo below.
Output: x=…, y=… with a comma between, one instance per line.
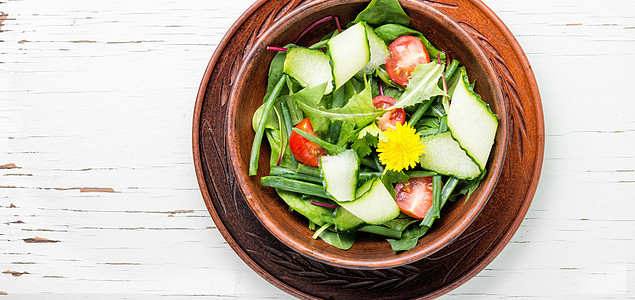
x=383, y=102
x=415, y=197
x=406, y=53
x=302, y=149
x=390, y=118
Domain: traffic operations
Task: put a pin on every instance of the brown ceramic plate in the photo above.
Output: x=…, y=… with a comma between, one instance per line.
x=291, y=228
x=432, y=276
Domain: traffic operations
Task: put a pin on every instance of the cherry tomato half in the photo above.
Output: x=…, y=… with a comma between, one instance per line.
x=415, y=197
x=406, y=53
x=390, y=118
x=302, y=149
x=383, y=102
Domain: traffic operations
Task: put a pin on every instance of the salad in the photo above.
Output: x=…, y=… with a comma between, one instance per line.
x=372, y=130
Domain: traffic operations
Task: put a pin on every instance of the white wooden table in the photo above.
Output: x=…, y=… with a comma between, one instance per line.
x=98, y=195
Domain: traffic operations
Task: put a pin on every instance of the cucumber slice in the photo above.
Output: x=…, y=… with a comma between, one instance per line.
x=471, y=121
x=374, y=204
x=345, y=221
x=309, y=68
x=445, y=156
x=349, y=53
x=379, y=52
x=340, y=174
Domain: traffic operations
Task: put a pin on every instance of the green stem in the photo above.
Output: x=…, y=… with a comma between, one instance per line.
x=381, y=230
x=445, y=195
x=332, y=149
x=366, y=175
x=312, y=174
x=416, y=116
x=377, y=163
x=443, y=124
x=369, y=162
x=415, y=174
x=419, y=112
x=319, y=44
x=436, y=195
x=260, y=131
x=449, y=71
x=293, y=185
x=291, y=174
x=308, y=170
x=288, y=127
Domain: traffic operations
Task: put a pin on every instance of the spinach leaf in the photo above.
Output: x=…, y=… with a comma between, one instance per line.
x=340, y=240
x=400, y=223
x=409, y=238
x=302, y=204
x=276, y=70
x=391, y=32
x=422, y=85
x=272, y=120
x=274, y=138
x=469, y=186
x=307, y=100
x=379, y=12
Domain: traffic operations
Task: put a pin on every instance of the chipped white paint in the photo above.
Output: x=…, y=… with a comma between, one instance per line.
x=96, y=100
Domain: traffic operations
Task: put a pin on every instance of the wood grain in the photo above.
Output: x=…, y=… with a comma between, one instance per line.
x=116, y=113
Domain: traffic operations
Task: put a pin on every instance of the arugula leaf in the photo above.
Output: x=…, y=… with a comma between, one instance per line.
x=422, y=86
x=359, y=109
x=391, y=32
x=339, y=240
x=409, y=238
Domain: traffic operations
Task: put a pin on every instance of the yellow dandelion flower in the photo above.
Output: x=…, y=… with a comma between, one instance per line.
x=402, y=148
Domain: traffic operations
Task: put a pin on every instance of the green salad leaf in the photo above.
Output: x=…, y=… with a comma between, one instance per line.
x=272, y=120
x=274, y=138
x=379, y=12
x=365, y=139
x=400, y=223
x=422, y=86
x=359, y=109
x=316, y=214
x=340, y=240
x=389, y=177
x=276, y=70
x=409, y=238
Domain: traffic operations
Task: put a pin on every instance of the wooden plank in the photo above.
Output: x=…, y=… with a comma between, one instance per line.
x=97, y=97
